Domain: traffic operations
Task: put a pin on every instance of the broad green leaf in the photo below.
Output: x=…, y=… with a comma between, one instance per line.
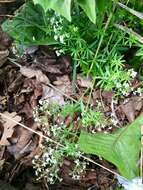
x=121, y=148
x=62, y=7
x=89, y=7
x=101, y=4
x=30, y=26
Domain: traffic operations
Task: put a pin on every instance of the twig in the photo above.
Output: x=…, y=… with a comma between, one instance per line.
x=57, y=143
x=11, y=16
x=96, y=163
x=13, y=61
x=132, y=11
x=101, y=99
x=7, y=1
x=33, y=131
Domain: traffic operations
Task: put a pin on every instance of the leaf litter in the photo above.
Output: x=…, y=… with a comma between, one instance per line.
x=31, y=85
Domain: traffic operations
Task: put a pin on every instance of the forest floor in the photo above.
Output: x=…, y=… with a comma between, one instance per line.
x=42, y=75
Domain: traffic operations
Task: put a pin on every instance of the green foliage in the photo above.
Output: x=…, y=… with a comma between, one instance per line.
x=63, y=7
x=121, y=148
x=53, y=154
x=30, y=26
x=97, y=49
x=93, y=118
x=89, y=7
x=70, y=109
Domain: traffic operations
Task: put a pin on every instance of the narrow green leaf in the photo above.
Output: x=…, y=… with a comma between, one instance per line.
x=62, y=7
x=121, y=148
x=89, y=7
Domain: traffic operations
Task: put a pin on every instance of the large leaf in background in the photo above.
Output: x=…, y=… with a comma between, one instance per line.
x=30, y=26
x=62, y=7
x=89, y=8
x=121, y=148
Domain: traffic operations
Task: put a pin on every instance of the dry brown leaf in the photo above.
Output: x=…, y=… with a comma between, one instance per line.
x=23, y=144
x=30, y=73
x=16, y=83
x=52, y=96
x=8, y=126
x=63, y=83
x=129, y=111
x=53, y=65
x=108, y=96
x=132, y=107
x=84, y=82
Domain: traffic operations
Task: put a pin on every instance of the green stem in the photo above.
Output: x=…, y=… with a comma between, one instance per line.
x=74, y=75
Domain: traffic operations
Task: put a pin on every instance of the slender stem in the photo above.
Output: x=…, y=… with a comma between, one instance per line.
x=100, y=42
x=74, y=75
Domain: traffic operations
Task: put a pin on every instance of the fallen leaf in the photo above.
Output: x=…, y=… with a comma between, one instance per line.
x=132, y=107
x=96, y=95
x=5, y=40
x=63, y=83
x=84, y=82
x=108, y=96
x=16, y=83
x=30, y=73
x=52, y=96
x=24, y=138
x=129, y=111
x=59, y=66
x=27, y=110
x=8, y=127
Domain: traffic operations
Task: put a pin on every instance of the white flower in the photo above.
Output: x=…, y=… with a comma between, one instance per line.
x=77, y=162
x=36, y=173
x=139, y=91
x=36, y=157
x=33, y=38
x=52, y=20
x=126, y=85
x=118, y=85
x=55, y=37
x=99, y=129
x=133, y=73
x=62, y=39
x=58, y=53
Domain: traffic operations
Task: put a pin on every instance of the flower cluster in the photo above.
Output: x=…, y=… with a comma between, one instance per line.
x=48, y=164
x=124, y=87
